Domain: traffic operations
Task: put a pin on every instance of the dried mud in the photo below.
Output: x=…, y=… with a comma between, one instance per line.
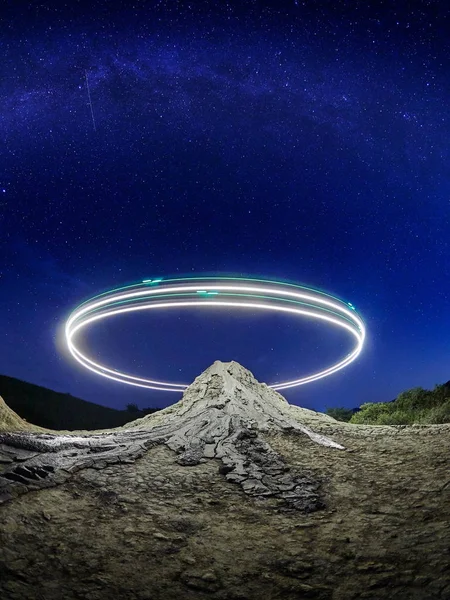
x=157, y=530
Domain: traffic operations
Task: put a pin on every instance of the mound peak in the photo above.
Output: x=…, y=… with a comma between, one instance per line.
x=231, y=389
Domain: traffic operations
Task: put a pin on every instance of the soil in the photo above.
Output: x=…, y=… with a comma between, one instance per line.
x=155, y=529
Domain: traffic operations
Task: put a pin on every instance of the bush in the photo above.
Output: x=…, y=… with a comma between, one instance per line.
x=437, y=414
x=371, y=412
x=398, y=417
x=340, y=413
x=415, y=399
x=413, y=406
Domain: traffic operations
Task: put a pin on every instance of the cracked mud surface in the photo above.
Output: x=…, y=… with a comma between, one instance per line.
x=155, y=529
x=158, y=529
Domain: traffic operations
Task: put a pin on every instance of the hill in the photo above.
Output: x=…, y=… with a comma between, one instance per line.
x=10, y=421
x=229, y=494
x=54, y=410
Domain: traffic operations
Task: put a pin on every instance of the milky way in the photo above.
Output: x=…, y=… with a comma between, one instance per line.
x=276, y=140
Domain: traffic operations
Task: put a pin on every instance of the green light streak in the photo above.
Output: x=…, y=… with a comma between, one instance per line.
x=218, y=280
x=125, y=287
x=232, y=294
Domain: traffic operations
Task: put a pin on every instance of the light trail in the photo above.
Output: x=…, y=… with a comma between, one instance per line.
x=219, y=292
x=90, y=101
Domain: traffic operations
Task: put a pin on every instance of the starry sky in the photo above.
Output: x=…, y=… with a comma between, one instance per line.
x=298, y=141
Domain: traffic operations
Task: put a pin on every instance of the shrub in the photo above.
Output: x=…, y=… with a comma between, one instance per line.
x=415, y=399
x=340, y=413
x=413, y=406
x=371, y=413
x=437, y=414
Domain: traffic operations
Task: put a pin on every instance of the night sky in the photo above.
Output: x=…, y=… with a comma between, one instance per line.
x=298, y=141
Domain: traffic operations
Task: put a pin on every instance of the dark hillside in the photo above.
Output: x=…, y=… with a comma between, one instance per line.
x=54, y=410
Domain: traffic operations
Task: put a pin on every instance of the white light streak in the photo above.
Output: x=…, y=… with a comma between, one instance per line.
x=275, y=297
x=90, y=101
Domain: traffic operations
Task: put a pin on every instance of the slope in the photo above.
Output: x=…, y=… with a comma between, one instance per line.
x=54, y=410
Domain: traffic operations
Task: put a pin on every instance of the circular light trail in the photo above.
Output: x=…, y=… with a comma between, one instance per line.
x=218, y=292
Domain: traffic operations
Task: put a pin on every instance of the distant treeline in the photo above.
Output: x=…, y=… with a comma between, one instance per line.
x=55, y=410
x=415, y=406
x=134, y=408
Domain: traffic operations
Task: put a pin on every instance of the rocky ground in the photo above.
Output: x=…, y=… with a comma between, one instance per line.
x=159, y=529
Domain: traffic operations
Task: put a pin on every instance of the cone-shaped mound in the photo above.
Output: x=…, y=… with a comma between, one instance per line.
x=223, y=415
x=231, y=389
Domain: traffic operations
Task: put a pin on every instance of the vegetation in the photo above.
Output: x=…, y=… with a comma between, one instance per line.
x=340, y=413
x=54, y=410
x=415, y=406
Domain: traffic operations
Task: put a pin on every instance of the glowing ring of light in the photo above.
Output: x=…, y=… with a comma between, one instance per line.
x=219, y=292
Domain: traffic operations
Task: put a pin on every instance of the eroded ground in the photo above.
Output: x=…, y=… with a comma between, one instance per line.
x=157, y=530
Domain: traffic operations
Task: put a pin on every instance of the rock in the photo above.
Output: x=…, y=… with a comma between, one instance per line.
x=129, y=530
x=204, y=582
x=192, y=456
x=293, y=567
